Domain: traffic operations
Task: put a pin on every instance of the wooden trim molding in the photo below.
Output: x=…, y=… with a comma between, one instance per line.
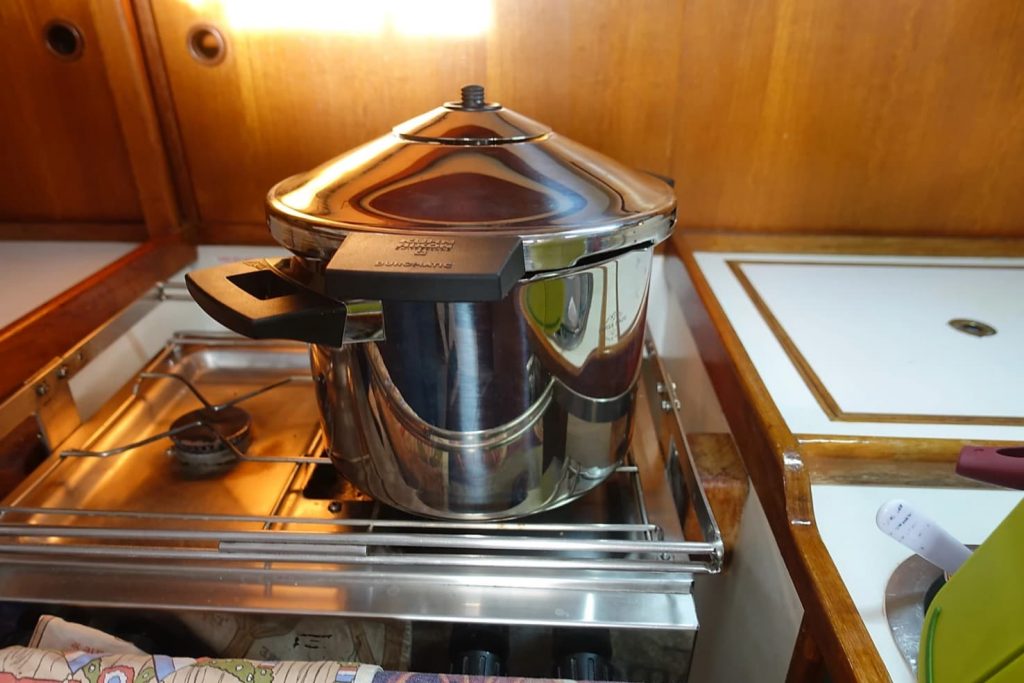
x=166, y=112
x=891, y=449
x=102, y=232
x=32, y=341
x=782, y=482
x=136, y=112
x=711, y=240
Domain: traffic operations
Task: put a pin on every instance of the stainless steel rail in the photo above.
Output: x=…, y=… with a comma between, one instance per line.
x=414, y=524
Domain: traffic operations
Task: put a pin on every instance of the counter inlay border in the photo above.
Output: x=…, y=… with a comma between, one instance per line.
x=821, y=394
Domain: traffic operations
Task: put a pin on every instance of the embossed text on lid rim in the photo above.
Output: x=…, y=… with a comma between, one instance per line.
x=549, y=250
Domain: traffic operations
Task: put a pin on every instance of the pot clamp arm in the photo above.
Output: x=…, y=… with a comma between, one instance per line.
x=255, y=300
x=446, y=268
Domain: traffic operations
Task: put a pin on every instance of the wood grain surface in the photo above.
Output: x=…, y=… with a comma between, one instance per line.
x=284, y=101
x=868, y=117
x=61, y=153
x=847, y=244
x=725, y=483
x=123, y=56
x=872, y=117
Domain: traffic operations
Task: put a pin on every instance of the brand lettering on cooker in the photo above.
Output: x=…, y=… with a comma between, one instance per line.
x=422, y=246
x=430, y=265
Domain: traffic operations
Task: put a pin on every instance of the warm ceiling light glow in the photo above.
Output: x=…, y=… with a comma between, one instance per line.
x=433, y=19
x=440, y=17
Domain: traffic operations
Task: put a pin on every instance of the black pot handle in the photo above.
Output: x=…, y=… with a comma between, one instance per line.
x=253, y=299
x=428, y=268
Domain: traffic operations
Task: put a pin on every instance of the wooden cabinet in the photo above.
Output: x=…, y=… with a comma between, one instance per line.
x=860, y=117
x=81, y=158
x=64, y=158
x=784, y=115
x=301, y=82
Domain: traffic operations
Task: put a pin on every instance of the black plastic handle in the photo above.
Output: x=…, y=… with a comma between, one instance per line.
x=253, y=299
x=428, y=268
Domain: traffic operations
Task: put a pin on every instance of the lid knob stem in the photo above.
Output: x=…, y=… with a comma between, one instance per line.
x=473, y=97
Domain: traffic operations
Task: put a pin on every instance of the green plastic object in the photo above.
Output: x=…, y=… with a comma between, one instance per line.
x=974, y=628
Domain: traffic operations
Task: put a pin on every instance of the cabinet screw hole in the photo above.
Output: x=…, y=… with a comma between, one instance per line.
x=206, y=45
x=63, y=39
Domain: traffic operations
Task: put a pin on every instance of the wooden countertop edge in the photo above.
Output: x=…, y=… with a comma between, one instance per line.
x=39, y=337
x=693, y=240
x=883, y=461
x=776, y=468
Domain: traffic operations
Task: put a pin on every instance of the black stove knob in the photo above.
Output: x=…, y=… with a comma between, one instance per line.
x=582, y=654
x=478, y=649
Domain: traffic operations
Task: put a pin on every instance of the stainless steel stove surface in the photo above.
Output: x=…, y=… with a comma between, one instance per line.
x=255, y=519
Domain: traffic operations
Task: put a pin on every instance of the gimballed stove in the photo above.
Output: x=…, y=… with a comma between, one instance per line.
x=203, y=485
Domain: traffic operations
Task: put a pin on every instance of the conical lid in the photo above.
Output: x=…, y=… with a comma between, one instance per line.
x=474, y=168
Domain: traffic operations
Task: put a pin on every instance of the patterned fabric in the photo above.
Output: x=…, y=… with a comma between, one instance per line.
x=100, y=658
x=406, y=677
x=31, y=665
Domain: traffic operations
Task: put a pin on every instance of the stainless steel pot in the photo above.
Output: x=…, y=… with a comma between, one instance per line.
x=474, y=290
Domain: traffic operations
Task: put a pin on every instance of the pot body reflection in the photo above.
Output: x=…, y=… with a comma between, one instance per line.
x=492, y=410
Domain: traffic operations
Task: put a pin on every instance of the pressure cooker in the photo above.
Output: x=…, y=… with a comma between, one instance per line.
x=473, y=287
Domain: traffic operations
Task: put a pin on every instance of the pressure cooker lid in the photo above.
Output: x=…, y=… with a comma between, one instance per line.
x=474, y=169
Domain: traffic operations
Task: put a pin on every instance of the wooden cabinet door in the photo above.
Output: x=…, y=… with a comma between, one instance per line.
x=781, y=115
x=65, y=169
x=301, y=81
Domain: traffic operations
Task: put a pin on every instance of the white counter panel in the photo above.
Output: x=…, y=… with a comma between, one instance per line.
x=35, y=272
x=860, y=345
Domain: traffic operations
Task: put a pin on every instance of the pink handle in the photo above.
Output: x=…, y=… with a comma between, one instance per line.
x=1002, y=466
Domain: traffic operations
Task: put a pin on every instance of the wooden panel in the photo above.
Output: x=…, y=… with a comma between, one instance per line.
x=899, y=117
x=136, y=111
x=284, y=101
x=60, y=144
x=725, y=483
x=36, y=339
x=871, y=116
x=602, y=73
x=847, y=244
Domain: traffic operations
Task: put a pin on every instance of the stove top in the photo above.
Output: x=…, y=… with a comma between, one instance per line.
x=203, y=485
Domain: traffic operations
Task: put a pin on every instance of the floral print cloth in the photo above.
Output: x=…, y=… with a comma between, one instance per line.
x=96, y=657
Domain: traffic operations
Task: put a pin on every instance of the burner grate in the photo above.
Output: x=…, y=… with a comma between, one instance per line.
x=214, y=435
x=200, y=436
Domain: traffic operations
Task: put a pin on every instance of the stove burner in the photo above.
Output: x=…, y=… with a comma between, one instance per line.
x=204, y=444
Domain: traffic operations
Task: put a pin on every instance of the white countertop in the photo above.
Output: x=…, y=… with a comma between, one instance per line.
x=865, y=557
x=869, y=335
x=852, y=345
x=35, y=272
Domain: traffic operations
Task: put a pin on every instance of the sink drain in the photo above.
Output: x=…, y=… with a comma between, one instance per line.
x=975, y=328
